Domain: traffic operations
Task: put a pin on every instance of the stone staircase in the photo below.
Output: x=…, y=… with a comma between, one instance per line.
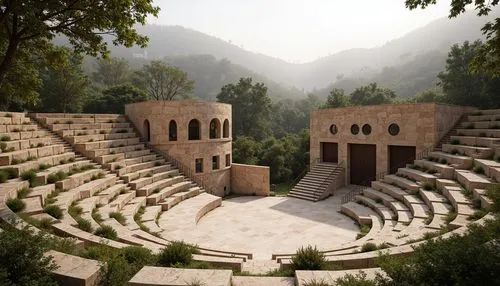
x=452, y=132
x=316, y=183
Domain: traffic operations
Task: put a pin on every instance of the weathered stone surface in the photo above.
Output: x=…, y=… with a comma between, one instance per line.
x=149, y=276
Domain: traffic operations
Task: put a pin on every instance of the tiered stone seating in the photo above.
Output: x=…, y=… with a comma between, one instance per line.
x=141, y=179
x=174, y=276
x=306, y=277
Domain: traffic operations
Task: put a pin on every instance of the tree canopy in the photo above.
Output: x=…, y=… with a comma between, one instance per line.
x=251, y=107
x=488, y=56
x=165, y=82
x=28, y=28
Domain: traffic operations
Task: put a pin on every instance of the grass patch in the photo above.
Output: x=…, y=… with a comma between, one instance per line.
x=119, y=217
x=15, y=205
x=54, y=211
x=84, y=224
x=106, y=231
x=364, y=229
x=177, y=253
x=450, y=217
x=308, y=258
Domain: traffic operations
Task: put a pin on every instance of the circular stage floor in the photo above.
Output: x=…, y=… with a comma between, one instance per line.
x=264, y=226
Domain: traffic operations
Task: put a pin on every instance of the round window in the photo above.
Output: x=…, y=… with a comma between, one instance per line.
x=367, y=129
x=354, y=129
x=333, y=129
x=394, y=129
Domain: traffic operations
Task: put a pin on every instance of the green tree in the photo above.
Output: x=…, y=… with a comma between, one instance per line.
x=165, y=82
x=246, y=150
x=461, y=85
x=114, y=99
x=488, y=56
x=28, y=28
x=112, y=71
x=64, y=85
x=22, y=259
x=251, y=107
x=372, y=95
x=428, y=96
x=273, y=155
x=336, y=98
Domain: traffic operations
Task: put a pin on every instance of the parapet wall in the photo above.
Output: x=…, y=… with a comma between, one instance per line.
x=250, y=180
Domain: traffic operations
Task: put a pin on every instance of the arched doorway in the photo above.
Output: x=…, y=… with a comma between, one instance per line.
x=194, y=130
x=172, y=131
x=147, y=131
x=225, y=132
x=214, y=128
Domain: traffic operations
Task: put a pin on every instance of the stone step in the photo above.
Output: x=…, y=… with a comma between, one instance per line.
x=417, y=175
x=390, y=190
x=445, y=171
x=383, y=211
x=472, y=181
x=457, y=161
x=401, y=182
x=481, y=194
x=441, y=183
x=158, y=185
x=475, y=141
x=163, y=194
x=471, y=151
x=358, y=212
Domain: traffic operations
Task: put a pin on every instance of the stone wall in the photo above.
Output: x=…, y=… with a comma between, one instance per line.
x=159, y=115
x=250, y=180
x=420, y=125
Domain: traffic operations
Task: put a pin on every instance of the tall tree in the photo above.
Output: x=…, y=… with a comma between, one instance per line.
x=114, y=99
x=251, y=107
x=488, y=55
x=112, y=71
x=336, y=98
x=372, y=95
x=165, y=82
x=64, y=85
x=27, y=28
x=461, y=85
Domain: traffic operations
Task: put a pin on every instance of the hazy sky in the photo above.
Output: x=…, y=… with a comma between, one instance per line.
x=299, y=30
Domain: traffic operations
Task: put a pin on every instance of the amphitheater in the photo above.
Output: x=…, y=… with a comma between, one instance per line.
x=166, y=175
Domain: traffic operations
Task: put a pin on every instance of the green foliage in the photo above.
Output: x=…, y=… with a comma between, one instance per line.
x=372, y=95
x=176, y=253
x=84, y=224
x=106, y=231
x=336, y=98
x=29, y=176
x=428, y=96
x=459, y=79
x=119, y=217
x=28, y=31
x=308, y=258
x=59, y=176
x=488, y=56
x=250, y=106
x=111, y=72
x=478, y=170
x=441, y=261
x=358, y=279
x=368, y=247
x=364, y=230
x=22, y=260
x=114, y=99
x=15, y=205
x=3, y=177
x=315, y=282
x=165, y=82
x=494, y=194
x=23, y=193
x=54, y=211
x=64, y=85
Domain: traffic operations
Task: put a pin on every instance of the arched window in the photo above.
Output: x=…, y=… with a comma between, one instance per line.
x=226, y=129
x=214, y=128
x=146, y=129
x=172, y=131
x=194, y=130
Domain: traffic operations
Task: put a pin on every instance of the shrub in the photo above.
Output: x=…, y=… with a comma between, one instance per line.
x=477, y=215
x=96, y=216
x=482, y=134
x=368, y=247
x=477, y=113
x=308, y=258
x=23, y=193
x=454, y=152
x=157, y=163
x=455, y=142
x=8, y=115
x=29, y=176
x=42, y=167
x=40, y=144
x=122, y=131
x=470, y=126
x=119, y=217
x=358, y=279
x=102, y=132
x=427, y=186
x=16, y=205
x=84, y=224
x=71, y=160
x=3, y=177
x=450, y=217
x=478, y=170
x=177, y=253
x=16, y=130
x=443, y=161
x=106, y=231
x=364, y=229
x=54, y=211
x=75, y=210
x=138, y=256
x=3, y=146
x=59, y=176
x=314, y=282
x=69, y=122
x=22, y=259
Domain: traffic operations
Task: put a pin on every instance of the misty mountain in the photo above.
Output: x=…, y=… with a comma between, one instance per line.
x=172, y=41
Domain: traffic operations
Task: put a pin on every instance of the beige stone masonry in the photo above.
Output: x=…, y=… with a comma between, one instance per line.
x=250, y=180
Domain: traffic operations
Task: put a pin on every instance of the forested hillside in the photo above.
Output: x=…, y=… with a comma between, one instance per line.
x=173, y=41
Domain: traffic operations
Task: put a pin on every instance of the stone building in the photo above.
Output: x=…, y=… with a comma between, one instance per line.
x=198, y=135
x=373, y=140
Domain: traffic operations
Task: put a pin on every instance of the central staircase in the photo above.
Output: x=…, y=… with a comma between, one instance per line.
x=316, y=184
